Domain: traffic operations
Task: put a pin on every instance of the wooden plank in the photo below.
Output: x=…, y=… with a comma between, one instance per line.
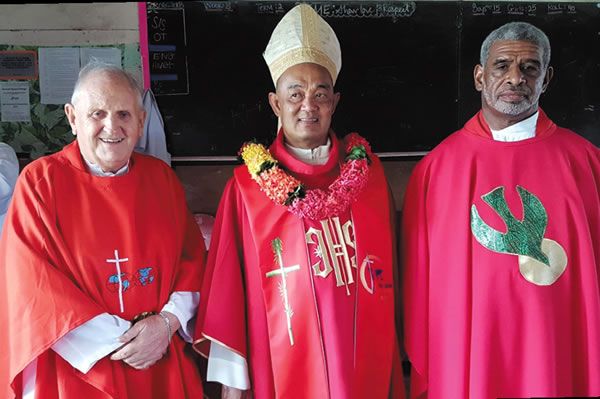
x=67, y=16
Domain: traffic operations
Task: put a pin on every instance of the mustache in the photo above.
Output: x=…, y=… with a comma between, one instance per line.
x=523, y=92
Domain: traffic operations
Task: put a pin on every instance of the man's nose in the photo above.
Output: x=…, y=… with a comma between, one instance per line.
x=515, y=75
x=111, y=123
x=309, y=103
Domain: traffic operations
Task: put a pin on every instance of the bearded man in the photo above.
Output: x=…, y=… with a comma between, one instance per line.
x=502, y=243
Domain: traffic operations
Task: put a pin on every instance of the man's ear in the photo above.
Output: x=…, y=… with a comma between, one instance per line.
x=336, y=100
x=142, y=122
x=478, y=77
x=70, y=112
x=275, y=104
x=547, y=78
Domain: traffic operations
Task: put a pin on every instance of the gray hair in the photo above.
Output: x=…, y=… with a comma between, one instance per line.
x=98, y=67
x=521, y=31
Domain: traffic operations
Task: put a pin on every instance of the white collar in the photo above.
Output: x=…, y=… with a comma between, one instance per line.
x=316, y=156
x=519, y=131
x=96, y=170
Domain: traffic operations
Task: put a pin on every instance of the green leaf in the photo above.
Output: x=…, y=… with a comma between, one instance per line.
x=39, y=110
x=299, y=193
x=28, y=133
x=266, y=165
x=358, y=152
x=53, y=118
x=276, y=245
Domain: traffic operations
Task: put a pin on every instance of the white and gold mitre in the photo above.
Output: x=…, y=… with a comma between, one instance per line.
x=303, y=36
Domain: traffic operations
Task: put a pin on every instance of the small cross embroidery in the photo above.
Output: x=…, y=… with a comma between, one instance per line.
x=117, y=261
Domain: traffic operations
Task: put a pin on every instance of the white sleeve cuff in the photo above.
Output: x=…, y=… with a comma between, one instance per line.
x=227, y=367
x=83, y=346
x=184, y=304
x=9, y=170
x=29, y=377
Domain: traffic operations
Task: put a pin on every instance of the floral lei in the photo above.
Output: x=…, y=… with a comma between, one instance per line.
x=315, y=204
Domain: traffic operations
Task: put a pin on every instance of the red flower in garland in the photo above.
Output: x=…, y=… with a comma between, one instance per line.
x=316, y=204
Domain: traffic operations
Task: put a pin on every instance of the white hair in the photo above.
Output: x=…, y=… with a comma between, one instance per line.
x=98, y=67
x=521, y=31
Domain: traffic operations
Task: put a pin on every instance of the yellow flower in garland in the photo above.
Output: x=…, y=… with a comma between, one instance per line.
x=273, y=181
x=315, y=204
x=257, y=158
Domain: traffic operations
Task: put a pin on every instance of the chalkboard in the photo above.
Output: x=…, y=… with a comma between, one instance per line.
x=167, y=49
x=573, y=97
x=407, y=68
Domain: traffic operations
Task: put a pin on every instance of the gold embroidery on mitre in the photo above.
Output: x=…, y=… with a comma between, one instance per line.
x=309, y=30
x=301, y=55
x=302, y=35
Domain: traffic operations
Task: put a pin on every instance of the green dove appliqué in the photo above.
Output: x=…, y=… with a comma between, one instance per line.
x=541, y=260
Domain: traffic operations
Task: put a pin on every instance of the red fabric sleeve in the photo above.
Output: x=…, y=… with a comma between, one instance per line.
x=416, y=279
x=222, y=315
x=39, y=303
x=193, y=257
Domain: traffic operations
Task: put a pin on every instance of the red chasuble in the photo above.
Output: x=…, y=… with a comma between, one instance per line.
x=502, y=249
x=318, y=320
x=58, y=255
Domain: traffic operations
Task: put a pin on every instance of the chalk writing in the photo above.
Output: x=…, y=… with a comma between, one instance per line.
x=365, y=10
x=396, y=9
x=163, y=61
x=527, y=9
x=521, y=9
x=217, y=6
x=154, y=6
x=159, y=27
x=561, y=9
x=166, y=48
x=401, y=9
x=270, y=8
x=486, y=9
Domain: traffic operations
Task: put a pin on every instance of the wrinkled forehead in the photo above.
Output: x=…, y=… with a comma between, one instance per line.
x=521, y=49
x=103, y=87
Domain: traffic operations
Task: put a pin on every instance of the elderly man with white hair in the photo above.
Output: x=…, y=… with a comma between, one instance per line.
x=101, y=262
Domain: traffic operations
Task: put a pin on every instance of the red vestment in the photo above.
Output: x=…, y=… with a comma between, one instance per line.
x=61, y=231
x=344, y=339
x=475, y=327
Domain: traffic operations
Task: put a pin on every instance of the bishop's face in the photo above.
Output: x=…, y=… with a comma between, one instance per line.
x=107, y=119
x=511, y=82
x=305, y=103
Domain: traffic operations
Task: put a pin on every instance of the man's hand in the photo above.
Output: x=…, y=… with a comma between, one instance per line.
x=146, y=341
x=233, y=393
